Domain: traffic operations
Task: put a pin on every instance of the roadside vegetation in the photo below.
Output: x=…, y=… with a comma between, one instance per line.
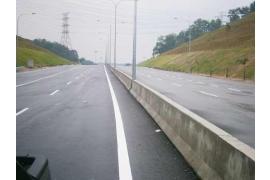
x=41, y=57
x=225, y=50
x=46, y=53
x=62, y=51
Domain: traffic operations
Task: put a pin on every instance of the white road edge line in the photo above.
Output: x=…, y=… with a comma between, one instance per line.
x=54, y=92
x=31, y=82
x=21, y=111
x=68, y=83
x=123, y=158
x=232, y=89
x=208, y=94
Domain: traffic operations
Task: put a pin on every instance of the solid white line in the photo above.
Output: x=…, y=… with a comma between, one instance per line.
x=54, y=92
x=68, y=83
x=175, y=84
x=46, y=77
x=208, y=94
x=21, y=111
x=123, y=158
x=232, y=89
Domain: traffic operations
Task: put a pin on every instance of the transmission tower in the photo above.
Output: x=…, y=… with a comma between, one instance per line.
x=65, y=39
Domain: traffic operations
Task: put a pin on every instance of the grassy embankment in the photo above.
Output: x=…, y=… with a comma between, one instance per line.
x=217, y=52
x=42, y=57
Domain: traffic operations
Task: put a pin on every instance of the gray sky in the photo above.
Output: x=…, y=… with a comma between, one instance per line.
x=90, y=21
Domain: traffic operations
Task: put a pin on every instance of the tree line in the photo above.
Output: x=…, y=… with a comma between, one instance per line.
x=199, y=27
x=62, y=51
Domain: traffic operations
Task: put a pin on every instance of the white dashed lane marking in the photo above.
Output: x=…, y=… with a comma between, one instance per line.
x=54, y=92
x=236, y=90
x=208, y=94
x=68, y=83
x=21, y=111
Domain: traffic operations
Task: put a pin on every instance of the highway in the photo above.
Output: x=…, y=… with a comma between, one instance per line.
x=89, y=127
x=228, y=104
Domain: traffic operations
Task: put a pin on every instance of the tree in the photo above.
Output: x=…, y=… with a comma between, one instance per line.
x=165, y=43
x=244, y=11
x=58, y=49
x=252, y=7
x=214, y=24
x=200, y=26
x=234, y=14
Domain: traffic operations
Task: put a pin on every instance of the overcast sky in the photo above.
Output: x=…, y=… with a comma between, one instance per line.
x=90, y=22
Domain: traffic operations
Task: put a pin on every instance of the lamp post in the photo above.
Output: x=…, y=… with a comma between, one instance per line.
x=134, y=36
x=18, y=21
x=115, y=9
x=189, y=34
x=134, y=42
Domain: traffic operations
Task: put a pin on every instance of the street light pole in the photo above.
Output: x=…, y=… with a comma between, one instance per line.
x=17, y=28
x=189, y=41
x=18, y=19
x=115, y=9
x=134, y=42
x=114, y=62
x=110, y=43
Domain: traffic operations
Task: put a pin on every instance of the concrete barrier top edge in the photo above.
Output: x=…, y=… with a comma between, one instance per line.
x=236, y=143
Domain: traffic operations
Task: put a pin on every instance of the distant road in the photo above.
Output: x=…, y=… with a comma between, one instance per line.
x=228, y=104
x=70, y=115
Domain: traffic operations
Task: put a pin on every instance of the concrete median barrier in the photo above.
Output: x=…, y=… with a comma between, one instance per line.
x=213, y=153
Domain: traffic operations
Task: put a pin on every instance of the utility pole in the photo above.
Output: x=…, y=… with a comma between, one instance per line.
x=134, y=42
x=114, y=62
x=110, y=43
x=115, y=9
x=189, y=42
x=18, y=21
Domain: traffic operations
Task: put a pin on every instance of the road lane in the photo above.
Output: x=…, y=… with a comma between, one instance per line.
x=76, y=129
x=32, y=95
x=152, y=155
x=25, y=78
x=228, y=104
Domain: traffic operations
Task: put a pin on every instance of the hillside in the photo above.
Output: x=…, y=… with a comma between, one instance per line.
x=42, y=57
x=223, y=50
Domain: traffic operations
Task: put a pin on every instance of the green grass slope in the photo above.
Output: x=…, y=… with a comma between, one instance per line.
x=42, y=57
x=216, y=53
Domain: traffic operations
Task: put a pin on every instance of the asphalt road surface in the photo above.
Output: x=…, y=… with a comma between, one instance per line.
x=70, y=114
x=228, y=104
